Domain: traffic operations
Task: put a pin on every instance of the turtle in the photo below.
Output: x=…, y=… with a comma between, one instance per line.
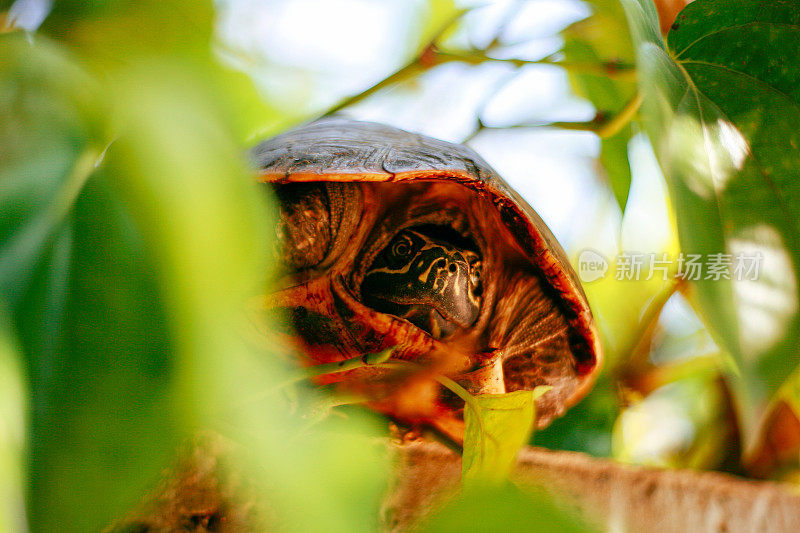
x=392, y=240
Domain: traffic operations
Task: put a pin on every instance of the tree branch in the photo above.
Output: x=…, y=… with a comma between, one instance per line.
x=612, y=495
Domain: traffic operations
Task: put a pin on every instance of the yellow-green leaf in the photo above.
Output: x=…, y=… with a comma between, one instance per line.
x=497, y=426
x=13, y=407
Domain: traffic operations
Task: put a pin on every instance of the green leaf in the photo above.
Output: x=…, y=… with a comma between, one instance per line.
x=721, y=108
x=81, y=296
x=496, y=427
x=13, y=414
x=129, y=307
x=251, y=115
x=49, y=138
x=112, y=34
x=120, y=299
x=508, y=508
x=622, y=326
x=103, y=423
x=684, y=424
x=614, y=160
x=207, y=223
x=604, y=39
x=585, y=427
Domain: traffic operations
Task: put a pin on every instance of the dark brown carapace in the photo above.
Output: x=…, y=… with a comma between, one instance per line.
x=392, y=240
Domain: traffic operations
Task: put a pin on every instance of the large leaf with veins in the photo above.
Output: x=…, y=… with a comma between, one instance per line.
x=721, y=107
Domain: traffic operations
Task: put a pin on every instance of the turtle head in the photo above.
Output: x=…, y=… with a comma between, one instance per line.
x=429, y=281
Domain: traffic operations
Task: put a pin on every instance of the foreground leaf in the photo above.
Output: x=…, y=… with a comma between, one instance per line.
x=50, y=141
x=721, y=108
x=496, y=427
x=129, y=307
x=208, y=224
x=80, y=289
x=505, y=508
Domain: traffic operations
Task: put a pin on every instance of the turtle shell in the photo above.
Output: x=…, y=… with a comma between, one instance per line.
x=346, y=151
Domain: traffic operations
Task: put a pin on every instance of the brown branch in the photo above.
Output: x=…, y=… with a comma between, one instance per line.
x=419, y=64
x=432, y=56
x=612, y=495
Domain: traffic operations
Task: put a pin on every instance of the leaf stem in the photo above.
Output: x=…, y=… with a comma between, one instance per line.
x=603, y=127
x=459, y=391
x=370, y=359
x=431, y=55
x=411, y=69
x=621, y=119
x=479, y=56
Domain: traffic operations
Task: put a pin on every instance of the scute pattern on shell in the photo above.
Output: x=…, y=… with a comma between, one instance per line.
x=334, y=146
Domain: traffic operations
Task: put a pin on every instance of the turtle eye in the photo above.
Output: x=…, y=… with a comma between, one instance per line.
x=400, y=251
x=401, y=248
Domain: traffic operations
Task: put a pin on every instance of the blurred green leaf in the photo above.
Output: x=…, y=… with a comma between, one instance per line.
x=251, y=115
x=131, y=299
x=496, y=427
x=684, y=424
x=110, y=34
x=103, y=424
x=603, y=39
x=505, y=508
x=50, y=140
x=96, y=326
x=82, y=300
x=790, y=391
x=206, y=220
x=185, y=180
x=314, y=473
x=622, y=326
x=585, y=427
x=13, y=414
x=721, y=107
